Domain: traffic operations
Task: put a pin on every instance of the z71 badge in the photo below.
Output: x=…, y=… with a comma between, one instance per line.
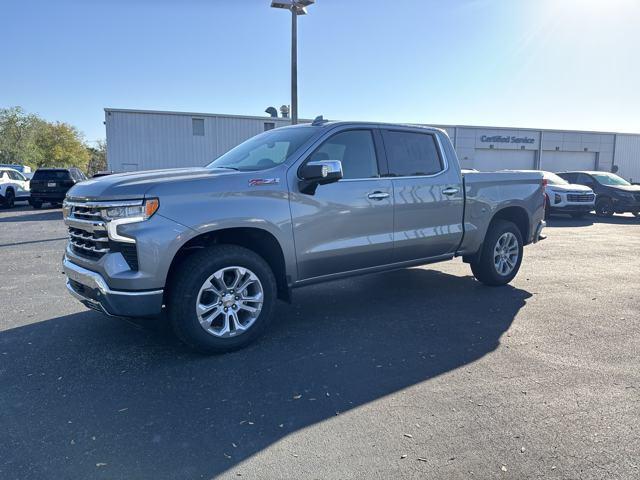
x=257, y=182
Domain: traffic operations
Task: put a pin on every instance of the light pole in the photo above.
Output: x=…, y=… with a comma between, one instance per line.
x=297, y=7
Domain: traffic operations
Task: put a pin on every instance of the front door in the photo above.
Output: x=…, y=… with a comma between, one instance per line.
x=428, y=196
x=347, y=225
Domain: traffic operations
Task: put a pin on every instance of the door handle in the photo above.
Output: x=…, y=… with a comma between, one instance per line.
x=378, y=195
x=450, y=191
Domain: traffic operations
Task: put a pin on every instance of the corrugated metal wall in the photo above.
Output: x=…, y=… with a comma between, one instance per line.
x=627, y=156
x=143, y=140
x=150, y=140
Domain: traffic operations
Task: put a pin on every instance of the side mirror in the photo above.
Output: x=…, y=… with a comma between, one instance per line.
x=319, y=173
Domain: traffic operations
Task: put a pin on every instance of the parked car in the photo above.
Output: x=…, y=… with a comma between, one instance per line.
x=50, y=185
x=13, y=186
x=614, y=194
x=23, y=169
x=564, y=197
x=290, y=207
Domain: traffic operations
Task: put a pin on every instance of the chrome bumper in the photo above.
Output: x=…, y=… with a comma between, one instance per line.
x=92, y=290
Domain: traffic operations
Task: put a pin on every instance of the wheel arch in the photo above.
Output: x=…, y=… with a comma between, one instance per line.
x=515, y=214
x=256, y=239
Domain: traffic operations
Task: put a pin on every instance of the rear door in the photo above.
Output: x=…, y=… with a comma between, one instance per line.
x=428, y=196
x=347, y=225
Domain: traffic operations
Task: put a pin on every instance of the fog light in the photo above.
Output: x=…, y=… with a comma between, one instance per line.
x=557, y=198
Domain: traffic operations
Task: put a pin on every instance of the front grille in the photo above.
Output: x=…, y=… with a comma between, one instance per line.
x=581, y=197
x=89, y=244
x=86, y=212
x=88, y=236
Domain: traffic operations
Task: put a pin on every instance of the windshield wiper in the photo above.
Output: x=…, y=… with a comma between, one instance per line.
x=229, y=168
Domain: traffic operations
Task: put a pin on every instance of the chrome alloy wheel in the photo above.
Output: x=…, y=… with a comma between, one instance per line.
x=505, y=253
x=229, y=302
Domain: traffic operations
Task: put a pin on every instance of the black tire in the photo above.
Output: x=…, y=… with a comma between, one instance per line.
x=604, y=208
x=185, y=285
x=37, y=204
x=9, y=198
x=484, y=268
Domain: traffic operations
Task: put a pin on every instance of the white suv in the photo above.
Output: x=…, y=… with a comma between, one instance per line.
x=564, y=197
x=13, y=186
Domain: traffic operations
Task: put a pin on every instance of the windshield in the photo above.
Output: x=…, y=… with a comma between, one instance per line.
x=267, y=150
x=609, y=179
x=553, y=179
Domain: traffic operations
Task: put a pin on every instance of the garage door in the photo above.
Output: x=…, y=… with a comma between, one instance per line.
x=560, y=161
x=493, y=160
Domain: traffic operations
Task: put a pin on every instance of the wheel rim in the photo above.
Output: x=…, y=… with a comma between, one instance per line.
x=604, y=208
x=229, y=302
x=505, y=253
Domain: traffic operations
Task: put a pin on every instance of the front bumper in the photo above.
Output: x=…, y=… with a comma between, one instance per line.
x=92, y=290
x=573, y=208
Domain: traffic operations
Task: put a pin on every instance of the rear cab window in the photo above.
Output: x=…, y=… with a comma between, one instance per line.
x=412, y=153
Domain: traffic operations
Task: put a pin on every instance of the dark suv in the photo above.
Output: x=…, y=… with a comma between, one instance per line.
x=613, y=193
x=51, y=185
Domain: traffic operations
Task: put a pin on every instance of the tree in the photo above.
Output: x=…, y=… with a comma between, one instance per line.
x=17, y=130
x=60, y=145
x=98, y=158
x=27, y=139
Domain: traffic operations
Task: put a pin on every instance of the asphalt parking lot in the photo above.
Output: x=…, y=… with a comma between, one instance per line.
x=420, y=373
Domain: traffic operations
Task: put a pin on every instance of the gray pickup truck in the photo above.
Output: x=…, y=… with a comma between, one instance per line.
x=215, y=247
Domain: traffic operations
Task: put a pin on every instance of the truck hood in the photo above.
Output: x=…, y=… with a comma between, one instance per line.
x=133, y=185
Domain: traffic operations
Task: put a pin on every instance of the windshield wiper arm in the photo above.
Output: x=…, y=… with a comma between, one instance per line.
x=230, y=168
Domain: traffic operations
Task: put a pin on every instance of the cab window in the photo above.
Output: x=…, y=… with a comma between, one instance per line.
x=411, y=153
x=355, y=149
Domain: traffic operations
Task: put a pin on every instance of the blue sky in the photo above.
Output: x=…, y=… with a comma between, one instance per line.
x=530, y=63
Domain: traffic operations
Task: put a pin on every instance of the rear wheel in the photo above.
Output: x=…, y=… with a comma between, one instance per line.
x=604, y=207
x=501, y=254
x=9, y=199
x=221, y=298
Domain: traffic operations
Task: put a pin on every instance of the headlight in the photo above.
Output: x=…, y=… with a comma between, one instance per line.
x=66, y=209
x=133, y=212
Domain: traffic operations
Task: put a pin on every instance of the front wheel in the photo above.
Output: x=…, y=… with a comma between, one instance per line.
x=501, y=254
x=221, y=298
x=604, y=208
x=9, y=199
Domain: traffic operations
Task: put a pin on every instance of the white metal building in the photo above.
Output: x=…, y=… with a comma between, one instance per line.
x=144, y=140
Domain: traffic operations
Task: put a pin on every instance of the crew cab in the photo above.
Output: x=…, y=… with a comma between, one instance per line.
x=215, y=246
x=13, y=186
x=614, y=194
